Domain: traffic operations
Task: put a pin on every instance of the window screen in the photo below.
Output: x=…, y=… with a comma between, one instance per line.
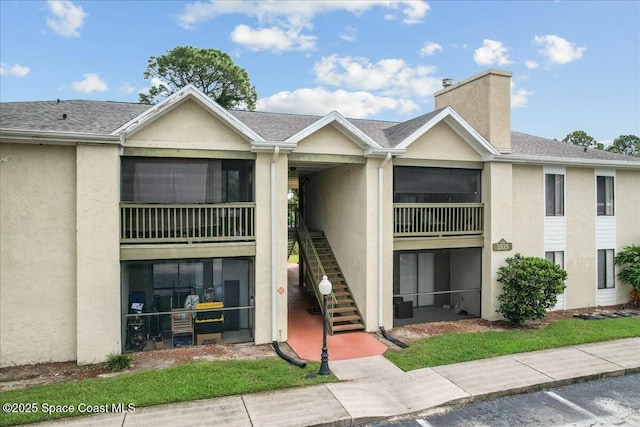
x=163, y=180
x=436, y=185
x=605, y=195
x=554, y=195
x=606, y=275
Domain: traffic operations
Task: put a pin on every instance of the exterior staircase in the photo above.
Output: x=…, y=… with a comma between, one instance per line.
x=317, y=259
x=342, y=312
x=291, y=243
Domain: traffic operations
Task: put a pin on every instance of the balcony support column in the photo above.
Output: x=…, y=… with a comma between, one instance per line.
x=98, y=304
x=497, y=191
x=381, y=239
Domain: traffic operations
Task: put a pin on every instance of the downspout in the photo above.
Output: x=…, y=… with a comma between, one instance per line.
x=381, y=254
x=122, y=142
x=274, y=284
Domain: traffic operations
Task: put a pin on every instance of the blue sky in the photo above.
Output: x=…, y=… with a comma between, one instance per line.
x=576, y=65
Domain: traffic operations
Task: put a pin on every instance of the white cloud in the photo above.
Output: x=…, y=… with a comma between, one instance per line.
x=155, y=81
x=363, y=88
x=531, y=65
x=66, y=18
x=90, y=83
x=558, y=50
x=275, y=39
x=281, y=23
x=319, y=101
x=301, y=11
x=349, y=34
x=14, y=70
x=127, y=88
x=414, y=11
x=519, y=97
x=430, y=48
x=389, y=76
x=491, y=52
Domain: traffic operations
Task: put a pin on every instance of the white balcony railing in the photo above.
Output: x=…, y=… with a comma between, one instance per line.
x=186, y=223
x=437, y=219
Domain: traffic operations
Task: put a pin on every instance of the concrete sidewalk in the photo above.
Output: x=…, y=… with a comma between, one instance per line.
x=373, y=388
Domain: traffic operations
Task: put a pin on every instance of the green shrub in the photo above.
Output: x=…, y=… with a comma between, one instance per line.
x=118, y=362
x=530, y=287
x=628, y=260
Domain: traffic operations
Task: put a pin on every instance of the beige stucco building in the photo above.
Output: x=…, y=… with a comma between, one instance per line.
x=117, y=216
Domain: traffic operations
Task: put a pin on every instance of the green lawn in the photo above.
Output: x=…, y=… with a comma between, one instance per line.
x=203, y=380
x=461, y=347
x=198, y=380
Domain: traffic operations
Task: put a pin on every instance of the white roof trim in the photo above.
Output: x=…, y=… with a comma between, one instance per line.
x=269, y=146
x=344, y=125
x=459, y=125
x=564, y=161
x=57, y=137
x=382, y=152
x=177, y=98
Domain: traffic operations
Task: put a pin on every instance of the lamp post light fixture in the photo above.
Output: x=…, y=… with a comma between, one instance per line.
x=325, y=289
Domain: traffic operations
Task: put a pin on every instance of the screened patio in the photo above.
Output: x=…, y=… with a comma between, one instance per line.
x=437, y=202
x=167, y=200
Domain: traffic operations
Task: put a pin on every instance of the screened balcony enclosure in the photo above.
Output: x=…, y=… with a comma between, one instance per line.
x=436, y=285
x=436, y=202
x=186, y=302
x=186, y=200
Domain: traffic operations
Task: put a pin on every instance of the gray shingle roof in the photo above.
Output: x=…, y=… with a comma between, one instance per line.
x=96, y=117
x=279, y=126
x=398, y=133
x=274, y=126
x=103, y=117
x=523, y=144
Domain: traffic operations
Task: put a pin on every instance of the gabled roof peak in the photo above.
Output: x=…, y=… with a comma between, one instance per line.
x=413, y=129
x=342, y=124
x=177, y=98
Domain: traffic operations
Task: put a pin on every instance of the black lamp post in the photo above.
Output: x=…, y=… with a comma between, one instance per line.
x=325, y=289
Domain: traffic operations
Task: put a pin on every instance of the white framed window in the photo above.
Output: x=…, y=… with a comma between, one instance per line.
x=606, y=269
x=556, y=257
x=605, y=186
x=554, y=194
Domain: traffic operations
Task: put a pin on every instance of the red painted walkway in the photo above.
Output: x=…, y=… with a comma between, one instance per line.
x=305, y=330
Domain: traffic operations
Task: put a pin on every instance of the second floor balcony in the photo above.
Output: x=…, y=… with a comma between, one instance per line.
x=186, y=223
x=437, y=219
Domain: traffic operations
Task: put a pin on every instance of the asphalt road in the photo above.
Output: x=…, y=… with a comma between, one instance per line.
x=608, y=402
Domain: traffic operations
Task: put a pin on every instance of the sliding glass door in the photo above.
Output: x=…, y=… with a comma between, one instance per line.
x=417, y=278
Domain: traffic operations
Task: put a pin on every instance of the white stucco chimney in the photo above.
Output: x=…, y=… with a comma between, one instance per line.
x=484, y=101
